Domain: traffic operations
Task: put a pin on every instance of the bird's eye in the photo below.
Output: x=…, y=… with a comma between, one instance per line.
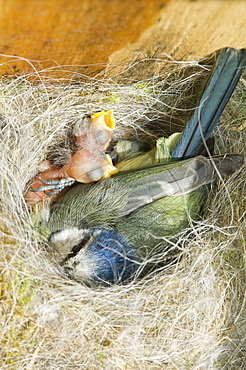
x=96, y=174
x=102, y=136
x=87, y=237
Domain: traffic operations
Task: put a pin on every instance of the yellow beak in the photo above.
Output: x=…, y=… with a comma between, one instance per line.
x=104, y=120
x=108, y=169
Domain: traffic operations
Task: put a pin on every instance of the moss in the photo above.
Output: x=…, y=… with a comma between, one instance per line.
x=17, y=294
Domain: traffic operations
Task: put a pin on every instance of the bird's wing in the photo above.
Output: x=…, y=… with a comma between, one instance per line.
x=228, y=69
x=182, y=178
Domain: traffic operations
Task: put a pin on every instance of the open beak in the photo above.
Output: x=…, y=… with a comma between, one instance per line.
x=102, y=125
x=99, y=132
x=103, y=120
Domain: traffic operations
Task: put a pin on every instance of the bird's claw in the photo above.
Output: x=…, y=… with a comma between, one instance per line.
x=54, y=186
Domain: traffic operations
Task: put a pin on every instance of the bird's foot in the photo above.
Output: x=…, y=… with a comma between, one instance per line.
x=54, y=186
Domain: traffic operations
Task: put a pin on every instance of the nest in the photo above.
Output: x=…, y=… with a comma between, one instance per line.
x=189, y=315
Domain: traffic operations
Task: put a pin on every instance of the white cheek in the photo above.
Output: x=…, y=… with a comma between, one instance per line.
x=64, y=240
x=82, y=267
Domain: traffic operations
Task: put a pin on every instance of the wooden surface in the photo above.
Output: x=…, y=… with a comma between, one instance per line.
x=85, y=35
x=51, y=33
x=191, y=29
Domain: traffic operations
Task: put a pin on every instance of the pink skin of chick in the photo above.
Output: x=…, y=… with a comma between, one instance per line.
x=88, y=164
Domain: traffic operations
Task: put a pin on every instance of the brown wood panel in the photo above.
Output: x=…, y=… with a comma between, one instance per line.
x=70, y=32
x=188, y=30
x=88, y=34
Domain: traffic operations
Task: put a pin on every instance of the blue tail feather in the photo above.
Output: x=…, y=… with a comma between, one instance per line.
x=228, y=69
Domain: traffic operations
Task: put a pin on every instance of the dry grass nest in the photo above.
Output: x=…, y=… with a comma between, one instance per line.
x=190, y=315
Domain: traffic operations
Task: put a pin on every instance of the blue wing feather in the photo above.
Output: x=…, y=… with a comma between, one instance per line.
x=228, y=69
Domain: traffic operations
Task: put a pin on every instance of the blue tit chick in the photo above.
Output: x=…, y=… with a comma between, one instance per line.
x=108, y=232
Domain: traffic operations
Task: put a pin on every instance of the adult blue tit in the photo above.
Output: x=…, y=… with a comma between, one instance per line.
x=105, y=233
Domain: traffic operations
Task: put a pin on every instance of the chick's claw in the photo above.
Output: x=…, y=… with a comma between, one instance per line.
x=54, y=186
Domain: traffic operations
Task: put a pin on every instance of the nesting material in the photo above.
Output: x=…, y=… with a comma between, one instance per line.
x=190, y=315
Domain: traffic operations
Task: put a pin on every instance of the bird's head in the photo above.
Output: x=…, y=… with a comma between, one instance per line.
x=95, y=256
